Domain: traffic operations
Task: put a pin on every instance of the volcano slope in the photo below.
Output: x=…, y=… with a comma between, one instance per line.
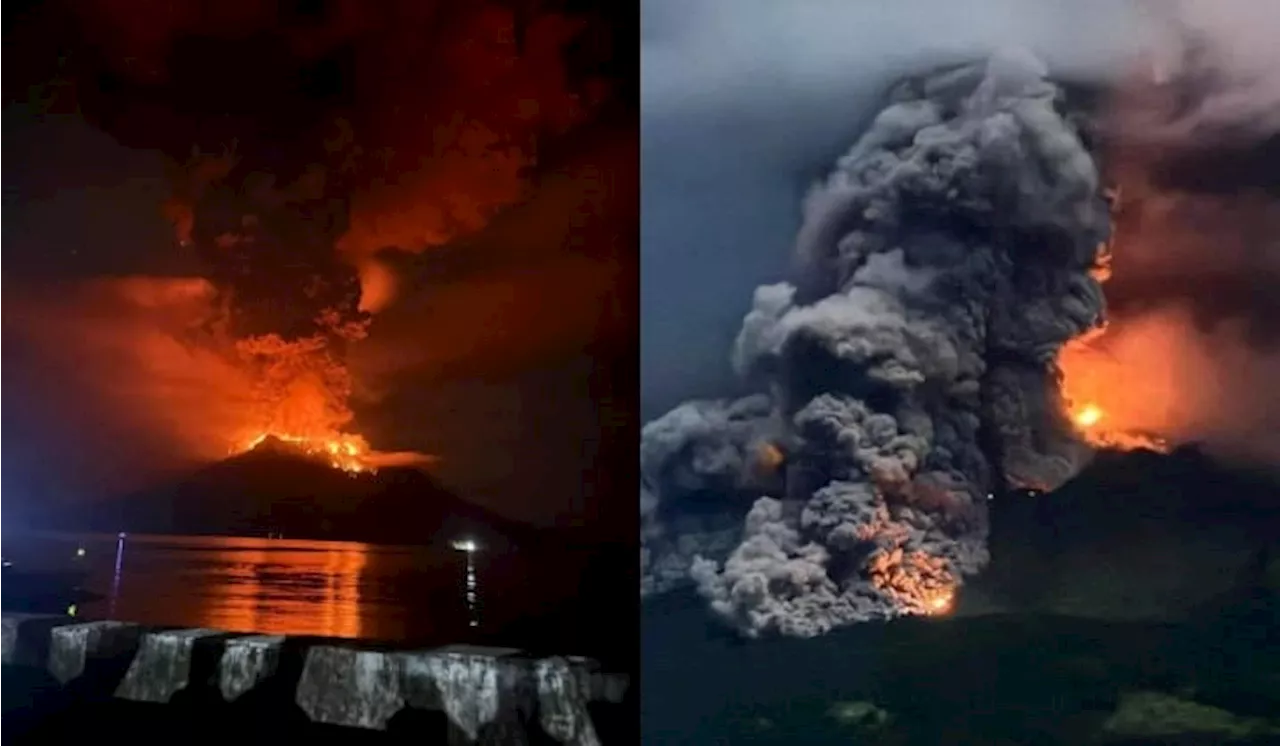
x=275, y=488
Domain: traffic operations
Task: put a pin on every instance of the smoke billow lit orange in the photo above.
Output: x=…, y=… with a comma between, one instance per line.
x=429, y=192
x=1101, y=398
x=1181, y=359
x=918, y=582
x=155, y=355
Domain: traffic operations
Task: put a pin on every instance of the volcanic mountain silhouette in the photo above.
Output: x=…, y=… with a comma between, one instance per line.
x=278, y=489
x=1138, y=530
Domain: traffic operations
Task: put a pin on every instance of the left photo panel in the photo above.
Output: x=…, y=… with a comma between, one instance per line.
x=320, y=403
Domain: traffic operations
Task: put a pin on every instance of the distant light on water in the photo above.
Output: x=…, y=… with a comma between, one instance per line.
x=470, y=547
x=71, y=610
x=115, y=576
x=80, y=552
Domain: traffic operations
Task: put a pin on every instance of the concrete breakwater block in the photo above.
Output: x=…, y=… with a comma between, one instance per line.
x=74, y=647
x=344, y=686
x=488, y=695
x=25, y=638
x=602, y=686
x=564, y=689
x=162, y=666
x=247, y=662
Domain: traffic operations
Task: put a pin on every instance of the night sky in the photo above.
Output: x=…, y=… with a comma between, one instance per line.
x=484, y=155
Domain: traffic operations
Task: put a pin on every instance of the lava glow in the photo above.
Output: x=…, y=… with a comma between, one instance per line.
x=1113, y=399
x=1113, y=402
x=1088, y=416
x=941, y=603
x=346, y=452
x=768, y=457
x=918, y=582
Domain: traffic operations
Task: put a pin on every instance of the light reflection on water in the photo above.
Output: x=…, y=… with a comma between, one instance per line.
x=274, y=586
x=287, y=589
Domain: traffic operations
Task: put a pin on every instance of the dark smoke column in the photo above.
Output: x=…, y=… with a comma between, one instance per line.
x=909, y=368
x=271, y=247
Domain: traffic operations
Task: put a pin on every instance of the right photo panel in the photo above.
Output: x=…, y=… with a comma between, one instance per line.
x=958, y=350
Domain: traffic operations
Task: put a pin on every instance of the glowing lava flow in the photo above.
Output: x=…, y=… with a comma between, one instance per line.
x=345, y=452
x=1087, y=381
x=1088, y=416
x=1098, y=392
x=918, y=582
x=942, y=603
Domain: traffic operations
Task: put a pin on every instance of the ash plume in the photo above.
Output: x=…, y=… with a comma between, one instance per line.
x=1209, y=75
x=700, y=452
x=906, y=370
x=148, y=381
x=321, y=143
x=1191, y=136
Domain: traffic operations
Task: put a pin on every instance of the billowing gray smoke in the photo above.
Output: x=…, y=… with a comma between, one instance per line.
x=908, y=369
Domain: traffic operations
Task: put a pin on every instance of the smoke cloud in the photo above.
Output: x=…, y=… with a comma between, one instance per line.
x=323, y=145
x=1191, y=140
x=146, y=374
x=914, y=361
x=747, y=103
x=1220, y=57
x=943, y=264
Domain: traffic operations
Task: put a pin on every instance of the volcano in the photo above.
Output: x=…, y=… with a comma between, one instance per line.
x=279, y=488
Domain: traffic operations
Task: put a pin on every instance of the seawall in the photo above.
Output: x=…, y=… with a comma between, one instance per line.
x=465, y=694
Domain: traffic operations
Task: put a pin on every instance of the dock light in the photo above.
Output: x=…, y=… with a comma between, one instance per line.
x=80, y=552
x=71, y=610
x=470, y=547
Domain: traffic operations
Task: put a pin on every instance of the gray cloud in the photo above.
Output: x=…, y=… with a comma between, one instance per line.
x=935, y=271
x=744, y=105
x=954, y=239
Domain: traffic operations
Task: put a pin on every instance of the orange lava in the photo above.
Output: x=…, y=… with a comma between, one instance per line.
x=341, y=451
x=156, y=356
x=1112, y=401
x=918, y=582
x=1088, y=416
x=1120, y=389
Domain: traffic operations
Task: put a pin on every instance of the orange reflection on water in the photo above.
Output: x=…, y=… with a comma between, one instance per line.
x=237, y=584
x=286, y=587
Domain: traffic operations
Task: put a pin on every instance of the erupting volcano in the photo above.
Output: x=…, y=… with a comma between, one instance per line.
x=316, y=211
x=302, y=389
x=1096, y=393
x=934, y=348
x=1108, y=411
x=346, y=452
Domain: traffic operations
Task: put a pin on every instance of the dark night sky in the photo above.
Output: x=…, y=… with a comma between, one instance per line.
x=510, y=349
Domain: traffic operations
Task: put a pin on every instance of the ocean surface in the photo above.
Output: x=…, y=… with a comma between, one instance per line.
x=397, y=594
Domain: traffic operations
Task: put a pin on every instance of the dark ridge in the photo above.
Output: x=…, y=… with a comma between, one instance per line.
x=1186, y=486
x=275, y=489
x=1132, y=507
